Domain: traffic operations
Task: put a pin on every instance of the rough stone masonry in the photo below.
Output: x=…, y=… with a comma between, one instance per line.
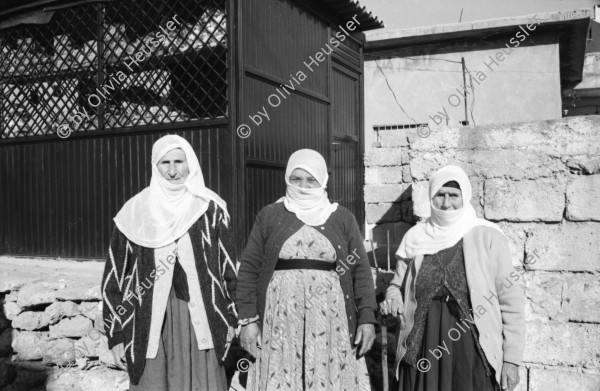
x=541, y=182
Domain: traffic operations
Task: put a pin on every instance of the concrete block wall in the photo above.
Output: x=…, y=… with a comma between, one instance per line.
x=541, y=183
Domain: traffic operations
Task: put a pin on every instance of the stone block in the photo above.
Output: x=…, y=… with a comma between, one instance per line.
x=406, y=175
x=516, y=234
x=37, y=293
x=570, y=246
x=565, y=296
x=380, y=213
x=424, y=164
x=96, y=379
x=562, y=378
x=71, y=327
x=11, y=310
x=90, y=309
x=58, y=310
x=30, y=320
x=11, y=296
x=420, y=199
x=60, y=352
x=77, y=292
x=569, y=136
x=384, y=157
x=583, y=199
x=556, y=343
x=510, y=164
x=584, y=165
x=385, y=193
x=405, y=157
x=540, y=200
x=29, y=345
x=393, y=138
x=380, y=175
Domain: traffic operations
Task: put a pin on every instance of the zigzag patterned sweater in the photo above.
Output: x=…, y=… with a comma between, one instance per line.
x=127, y=320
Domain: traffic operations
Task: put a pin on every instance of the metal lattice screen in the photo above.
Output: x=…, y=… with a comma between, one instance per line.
x=162, y=62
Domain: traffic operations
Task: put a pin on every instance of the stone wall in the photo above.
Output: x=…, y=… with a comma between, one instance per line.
x=51, y=327
x=541, y=182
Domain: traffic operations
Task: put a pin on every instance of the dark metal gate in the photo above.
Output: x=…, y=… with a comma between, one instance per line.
x=107, y=78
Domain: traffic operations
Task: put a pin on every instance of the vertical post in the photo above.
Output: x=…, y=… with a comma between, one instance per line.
x=464, y=69
x=100, y=59
x=389, y=268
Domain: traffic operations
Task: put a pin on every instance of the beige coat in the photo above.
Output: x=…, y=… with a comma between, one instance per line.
x=496, y=296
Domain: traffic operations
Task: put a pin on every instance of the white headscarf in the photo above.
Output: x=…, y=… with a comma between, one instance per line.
x=445, y=227
x=311, y=206
x=163, y=211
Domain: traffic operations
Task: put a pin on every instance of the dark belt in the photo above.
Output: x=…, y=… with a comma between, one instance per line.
x=312, y=264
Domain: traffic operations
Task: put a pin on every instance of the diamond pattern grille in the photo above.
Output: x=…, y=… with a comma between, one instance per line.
x=161, y=62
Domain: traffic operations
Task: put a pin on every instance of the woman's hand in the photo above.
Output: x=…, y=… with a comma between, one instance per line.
x=250, y=338
x=365, y=335
x=118, y=354
x=390, y=307
x=510, y=376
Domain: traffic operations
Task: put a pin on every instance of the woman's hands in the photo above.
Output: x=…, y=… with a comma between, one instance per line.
x=251, y=339
x=365, y=335
x=118, y=354
x=390, y=307
x=510, y=376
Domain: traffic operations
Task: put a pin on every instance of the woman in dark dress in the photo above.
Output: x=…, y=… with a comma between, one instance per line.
x=461, y=313
x=169, y=279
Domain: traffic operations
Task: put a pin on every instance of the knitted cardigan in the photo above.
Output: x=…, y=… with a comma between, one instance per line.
x=273, y=226
x=127, y=299
x=495, y=293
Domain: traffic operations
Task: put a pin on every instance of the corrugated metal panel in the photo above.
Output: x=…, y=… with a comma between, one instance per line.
x=297, y=122
x=265, y=186
x=280, y=37
x=345, y=184
x=59, y=197
x=346, y=152
x=345, y=106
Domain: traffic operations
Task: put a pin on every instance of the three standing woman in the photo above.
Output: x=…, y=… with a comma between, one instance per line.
x=461, y=311
x=169, y=279
x=304, y=294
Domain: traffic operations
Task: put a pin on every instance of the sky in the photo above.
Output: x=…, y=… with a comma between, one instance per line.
x=401, y=14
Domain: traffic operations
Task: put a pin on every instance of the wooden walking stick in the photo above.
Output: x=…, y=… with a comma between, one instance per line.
x=384, y=358
x=384, y=362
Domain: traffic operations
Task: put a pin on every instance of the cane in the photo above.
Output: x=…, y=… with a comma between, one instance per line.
x=384, y=353
x=383, y=322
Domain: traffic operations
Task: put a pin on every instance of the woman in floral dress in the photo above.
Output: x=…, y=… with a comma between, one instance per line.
x=305, y=293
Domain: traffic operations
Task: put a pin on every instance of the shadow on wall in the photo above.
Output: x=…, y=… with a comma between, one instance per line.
x=381, y=249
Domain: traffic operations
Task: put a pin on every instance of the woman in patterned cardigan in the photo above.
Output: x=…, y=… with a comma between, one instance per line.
x=169, y=279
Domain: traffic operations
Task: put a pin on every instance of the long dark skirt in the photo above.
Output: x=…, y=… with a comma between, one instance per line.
x=449, y=359
x=179, y=365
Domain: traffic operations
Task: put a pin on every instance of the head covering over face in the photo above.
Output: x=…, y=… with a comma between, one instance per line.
x=164, y=211
x=445, y=227
x=311, y=206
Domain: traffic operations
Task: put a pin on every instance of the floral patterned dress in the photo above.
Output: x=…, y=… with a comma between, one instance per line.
x=305, y=338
